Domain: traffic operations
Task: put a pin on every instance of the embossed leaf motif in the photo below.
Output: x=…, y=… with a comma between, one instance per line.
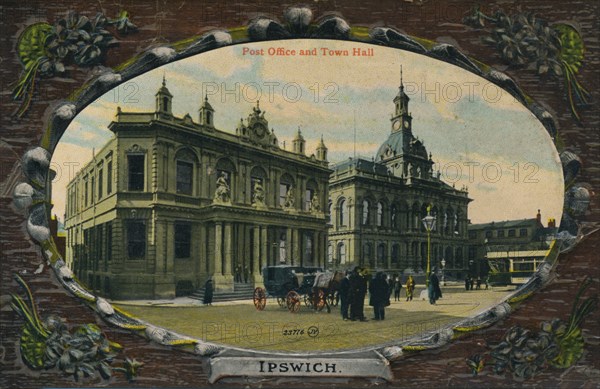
x=31, y=45
x=524, y=39
x=558, y=343
x=49, y=344
x=44, y=49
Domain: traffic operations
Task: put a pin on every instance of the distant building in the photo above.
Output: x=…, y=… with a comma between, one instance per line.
x=525, y=239
x=170, y=202
x=377, y=207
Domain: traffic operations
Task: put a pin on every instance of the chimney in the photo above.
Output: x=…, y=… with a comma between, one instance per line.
x=538, y=217
x=551, y=223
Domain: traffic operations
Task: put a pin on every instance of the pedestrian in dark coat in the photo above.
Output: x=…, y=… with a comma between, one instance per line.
x=357, y=294
x=433, y=289
x=208, y=292
x=467, y=283
x=344, y=295
x=379, y=295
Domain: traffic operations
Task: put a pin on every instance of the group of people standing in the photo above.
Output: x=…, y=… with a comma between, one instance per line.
x=354, y=287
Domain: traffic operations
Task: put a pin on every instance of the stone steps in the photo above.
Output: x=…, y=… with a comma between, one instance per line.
x=241, y=291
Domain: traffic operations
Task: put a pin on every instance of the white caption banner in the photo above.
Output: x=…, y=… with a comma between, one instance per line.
x=364, y=365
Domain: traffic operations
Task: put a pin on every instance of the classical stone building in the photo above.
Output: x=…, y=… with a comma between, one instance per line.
x=171, y=201
x=377, y=207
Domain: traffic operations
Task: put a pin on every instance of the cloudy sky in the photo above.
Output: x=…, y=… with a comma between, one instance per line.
x=478, y=134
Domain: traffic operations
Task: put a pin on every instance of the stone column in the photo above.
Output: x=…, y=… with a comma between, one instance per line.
x=228, y=249
x=298, y=248
x=201, y=254
x=264, y=246
x=288, y=246
x=218, y=264
x=170, y=246
x=389, y=254
x=256, y=270
x=316, y=248
x=164, y=285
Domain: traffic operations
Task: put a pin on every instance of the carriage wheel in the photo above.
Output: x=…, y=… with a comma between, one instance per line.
x=259, y=298
x=319, y=299
x=293, y=301
x=281, y=302
x=308, y=300
x=332, y=299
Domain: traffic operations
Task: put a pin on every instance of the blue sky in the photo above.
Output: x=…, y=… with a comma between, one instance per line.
x=504, y=154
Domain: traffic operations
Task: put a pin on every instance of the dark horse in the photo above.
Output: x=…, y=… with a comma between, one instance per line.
x=324, y=289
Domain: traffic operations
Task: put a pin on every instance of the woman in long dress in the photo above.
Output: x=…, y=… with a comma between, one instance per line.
x=208, y=292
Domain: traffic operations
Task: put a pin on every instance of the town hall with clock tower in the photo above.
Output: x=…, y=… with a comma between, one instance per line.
x=377, y=206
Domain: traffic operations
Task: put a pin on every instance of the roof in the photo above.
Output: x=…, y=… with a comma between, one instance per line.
x=362, y=165
x=505, y=224
x=399, y=143
x=517, y=254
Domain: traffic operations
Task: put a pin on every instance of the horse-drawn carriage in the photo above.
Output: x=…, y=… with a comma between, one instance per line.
x=292, y=285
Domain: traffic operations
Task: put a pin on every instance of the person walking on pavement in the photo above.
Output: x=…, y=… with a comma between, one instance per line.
x=410, y=288
x=433, y=289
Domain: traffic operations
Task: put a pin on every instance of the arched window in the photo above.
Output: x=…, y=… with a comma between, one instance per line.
x=365, y=214
x=258, y=185
x=329, y=206
x=341, y=252
x=329, y=253
x=379, y=214
x=394, y=216
x=224, y=180
x=311, y=190
x=395, y=254
x=368, y=254
x=282, y=249
x=343, y=213
x=286, y=184
x=381, y=255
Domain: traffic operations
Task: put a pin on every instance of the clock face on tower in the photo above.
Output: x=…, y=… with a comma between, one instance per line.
x=406, y=124
x=259, y=130
x=396, y=125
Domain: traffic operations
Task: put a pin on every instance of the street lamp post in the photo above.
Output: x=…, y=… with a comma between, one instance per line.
x=429, y=223
x=443, y=263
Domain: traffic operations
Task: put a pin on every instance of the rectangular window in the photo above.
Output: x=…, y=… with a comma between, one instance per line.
x=109, y=178
x=308, y=194
x=472, y=234
x=100, y=182
x=488, y=234
x=185, y=171
x=85, y=192
x=136, y=172
x=500, y=233
x=109, y=243
x=511, y=233
x=523, y=232
x=136, y=239
x=283, y=189
x=183, y=240
x=92, y=188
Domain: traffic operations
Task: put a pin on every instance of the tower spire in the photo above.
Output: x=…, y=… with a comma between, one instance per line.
x=401, y=83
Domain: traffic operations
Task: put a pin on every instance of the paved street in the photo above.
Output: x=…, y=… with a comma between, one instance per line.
x=238, y=323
